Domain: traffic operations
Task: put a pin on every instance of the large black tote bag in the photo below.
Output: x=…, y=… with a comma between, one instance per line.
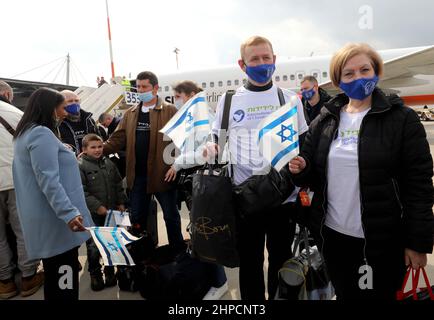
x=213, y=218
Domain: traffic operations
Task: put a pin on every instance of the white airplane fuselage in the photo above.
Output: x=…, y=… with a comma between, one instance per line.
x=288, y=75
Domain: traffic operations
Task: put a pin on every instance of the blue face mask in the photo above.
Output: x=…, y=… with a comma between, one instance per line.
x=73, y=109
x=359, y=89
x=261, y=73
x=146, y=96
x=308, y=94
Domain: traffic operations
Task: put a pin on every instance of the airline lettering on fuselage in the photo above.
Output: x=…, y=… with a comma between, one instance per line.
x=211, y=98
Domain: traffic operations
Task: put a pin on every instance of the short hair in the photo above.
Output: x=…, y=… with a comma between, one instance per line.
x=187, y=87
x=89, y=138
x=350, y=50
x=103, y=116
x=148, y=75
x=5, y=87
x=254, y=41
x=310, y=79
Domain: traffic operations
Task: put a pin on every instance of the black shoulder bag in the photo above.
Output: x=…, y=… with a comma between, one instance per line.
x=261, y=192
x=213, y=216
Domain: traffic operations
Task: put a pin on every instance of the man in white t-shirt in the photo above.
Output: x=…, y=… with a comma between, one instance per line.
x=251, y=104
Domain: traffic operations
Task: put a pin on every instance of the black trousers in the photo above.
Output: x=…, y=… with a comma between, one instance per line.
x=274, y=229
x=344, y=256
x=61, y=276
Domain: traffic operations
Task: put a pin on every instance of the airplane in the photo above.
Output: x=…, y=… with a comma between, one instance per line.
x=408, y=72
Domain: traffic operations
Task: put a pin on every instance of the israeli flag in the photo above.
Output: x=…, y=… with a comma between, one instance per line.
x=278, y=135
x=190, y=119
x=111, y=245
x=117, y=218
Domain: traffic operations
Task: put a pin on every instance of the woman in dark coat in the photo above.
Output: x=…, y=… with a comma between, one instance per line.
x=368, y=162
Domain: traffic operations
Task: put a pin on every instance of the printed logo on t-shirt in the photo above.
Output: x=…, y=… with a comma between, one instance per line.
x=79, y=134
x=348, y=137
x=239, y=115
x=143, y=126
x=260, y=112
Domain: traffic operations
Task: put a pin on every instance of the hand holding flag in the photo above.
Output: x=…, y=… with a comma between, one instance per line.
x=278, y=135
x=192, y=118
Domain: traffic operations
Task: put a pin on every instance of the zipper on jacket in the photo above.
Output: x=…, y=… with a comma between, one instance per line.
x=396, y=189
x=360, y=185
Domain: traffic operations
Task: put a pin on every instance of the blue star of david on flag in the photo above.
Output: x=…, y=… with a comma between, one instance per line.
x=189, y=118
x=112, y=246
x=291, y=130
x=278, y=135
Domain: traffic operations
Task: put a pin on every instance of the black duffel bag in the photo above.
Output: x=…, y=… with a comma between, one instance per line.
x=213, y=217
x=260, y=193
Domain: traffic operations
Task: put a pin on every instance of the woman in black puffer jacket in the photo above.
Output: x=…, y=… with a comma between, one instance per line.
x=368, y=162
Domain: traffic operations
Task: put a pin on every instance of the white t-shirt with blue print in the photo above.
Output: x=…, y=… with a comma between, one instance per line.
x=248, y=109
x=343, y=190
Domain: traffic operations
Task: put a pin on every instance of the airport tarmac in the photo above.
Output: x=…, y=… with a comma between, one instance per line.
x=233, y=293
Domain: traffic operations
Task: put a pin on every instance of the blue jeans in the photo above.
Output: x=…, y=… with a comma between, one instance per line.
x=140, y=202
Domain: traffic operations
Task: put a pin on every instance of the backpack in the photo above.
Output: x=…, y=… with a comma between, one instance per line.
x=170, y=275
x=128, y=276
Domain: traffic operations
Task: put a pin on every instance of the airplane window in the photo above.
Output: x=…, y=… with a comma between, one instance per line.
x=300, y=76
x=203, y=85
x=285, y=78
x=315, y=75
x=229, y=83
x=237, y=82
x=292, y=77
x=244, y=81
x=211, y=84
x=166, y=88
x=277, y=78
x=324, y=74
x=220, y=83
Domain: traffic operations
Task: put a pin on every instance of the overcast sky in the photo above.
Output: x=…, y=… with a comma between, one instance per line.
x=207, y=32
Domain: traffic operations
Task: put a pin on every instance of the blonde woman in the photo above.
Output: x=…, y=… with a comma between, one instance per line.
x=368, y=162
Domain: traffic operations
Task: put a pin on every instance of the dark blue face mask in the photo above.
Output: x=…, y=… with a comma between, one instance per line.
x=308, y=94
x=261, y=73
x=359, y=89
x=73, y=109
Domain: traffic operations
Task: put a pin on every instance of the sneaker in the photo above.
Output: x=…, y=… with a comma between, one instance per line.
x=110, y=278
x=96, y=282
x=8, y=289
x=216, y=293
x=31, y=284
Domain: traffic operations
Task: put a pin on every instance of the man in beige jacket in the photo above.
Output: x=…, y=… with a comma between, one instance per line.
x=146, y=169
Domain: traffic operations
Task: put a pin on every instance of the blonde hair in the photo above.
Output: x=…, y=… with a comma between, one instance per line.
x=254, y=41
x=350, y=50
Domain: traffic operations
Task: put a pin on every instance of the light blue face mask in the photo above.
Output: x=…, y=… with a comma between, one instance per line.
x=178, y=103
x=146, y=96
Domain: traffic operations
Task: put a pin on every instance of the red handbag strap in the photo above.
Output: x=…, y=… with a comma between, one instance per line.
x=401, y=295
x=415, y=282
x=428, y=285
